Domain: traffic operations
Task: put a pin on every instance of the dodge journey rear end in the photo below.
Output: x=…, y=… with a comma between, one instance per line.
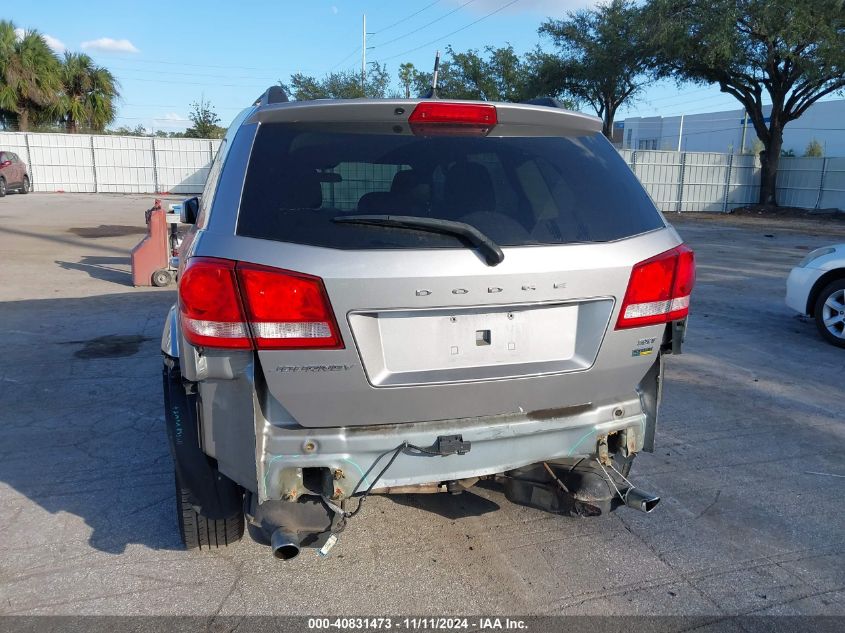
x=414, y=296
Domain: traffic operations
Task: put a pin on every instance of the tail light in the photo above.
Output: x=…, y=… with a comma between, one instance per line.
x=287, y=310
x=441, y=118
x=210, y=304
x=233, y=305
x=659, y=289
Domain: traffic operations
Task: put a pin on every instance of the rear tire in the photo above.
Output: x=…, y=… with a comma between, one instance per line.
x=200, y=532
x=829, y=313
x=2, y=188
x=25, y=188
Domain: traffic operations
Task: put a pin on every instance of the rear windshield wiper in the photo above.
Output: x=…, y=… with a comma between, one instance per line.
x=493, y=255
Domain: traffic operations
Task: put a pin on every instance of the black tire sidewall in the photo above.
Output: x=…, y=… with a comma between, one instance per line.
x=3, y=189
x=818, y=311
x=26, y=185
x=166, y=277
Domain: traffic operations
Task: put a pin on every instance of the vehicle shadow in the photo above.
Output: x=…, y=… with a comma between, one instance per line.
x=82, y=427
x=103, y=268
x=465, y=504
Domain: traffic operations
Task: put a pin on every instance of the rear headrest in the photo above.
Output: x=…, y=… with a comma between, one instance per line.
x=377, y=202
x=404, y=181
x=300, y=189
x=468, y=189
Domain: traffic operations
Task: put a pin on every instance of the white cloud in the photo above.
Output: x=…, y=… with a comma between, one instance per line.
x=109, y=45
x=53, y=42
x=335, y=10
x=169, y=122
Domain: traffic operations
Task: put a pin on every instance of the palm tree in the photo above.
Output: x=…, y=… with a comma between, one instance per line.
x=29, y=75
x=88, y=94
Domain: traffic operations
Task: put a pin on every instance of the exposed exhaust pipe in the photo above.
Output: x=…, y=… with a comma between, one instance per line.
x=640, y=499
x=284, y=544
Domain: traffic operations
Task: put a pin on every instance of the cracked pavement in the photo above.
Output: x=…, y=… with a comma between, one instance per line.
x=750, y=461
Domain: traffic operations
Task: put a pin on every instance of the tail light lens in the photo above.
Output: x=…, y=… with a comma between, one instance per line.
x=659, y=289
x=441, y=118
x=232, y=305
x=287, y=310
x=210, y=304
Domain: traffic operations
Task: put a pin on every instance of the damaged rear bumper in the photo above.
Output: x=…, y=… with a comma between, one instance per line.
x=331, y=462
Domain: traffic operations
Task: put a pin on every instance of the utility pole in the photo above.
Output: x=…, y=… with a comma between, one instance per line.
x=680, y=132
x=744, y=130
x=364, y=55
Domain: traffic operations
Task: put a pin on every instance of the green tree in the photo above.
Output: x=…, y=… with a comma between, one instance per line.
x=125, y=130
x=788, y=52
x=344, y=84
x=204, y=120
x=603, y=57
x=407, y=74
x=29, y=76
x=814, y=149
x=499, y=74
x=88, y=94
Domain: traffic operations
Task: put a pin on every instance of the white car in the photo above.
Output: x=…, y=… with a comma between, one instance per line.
x=816, y=288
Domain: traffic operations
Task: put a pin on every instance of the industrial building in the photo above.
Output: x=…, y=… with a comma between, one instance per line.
x=729, y=131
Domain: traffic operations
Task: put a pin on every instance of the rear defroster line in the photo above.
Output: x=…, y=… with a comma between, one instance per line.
x=443, y=446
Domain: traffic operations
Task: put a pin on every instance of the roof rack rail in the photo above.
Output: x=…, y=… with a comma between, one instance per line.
x=273, y=94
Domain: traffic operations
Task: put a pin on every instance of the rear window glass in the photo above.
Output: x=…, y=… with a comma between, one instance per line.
x=516, y=190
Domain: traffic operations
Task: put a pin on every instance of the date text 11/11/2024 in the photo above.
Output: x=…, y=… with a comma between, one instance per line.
x=416, y=624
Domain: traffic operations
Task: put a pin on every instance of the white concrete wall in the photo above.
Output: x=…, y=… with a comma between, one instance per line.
x=113, y=164
x=681, y=182
x=676, y=181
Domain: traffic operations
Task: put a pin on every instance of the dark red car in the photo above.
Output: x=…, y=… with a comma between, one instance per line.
x=14, y=174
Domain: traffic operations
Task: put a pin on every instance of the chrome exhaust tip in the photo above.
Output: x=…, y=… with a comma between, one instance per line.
x=285, y=545
x=640, y=499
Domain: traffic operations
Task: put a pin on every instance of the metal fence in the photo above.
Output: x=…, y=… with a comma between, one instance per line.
x=677, y=181
x=113, y=164
x=683, y=182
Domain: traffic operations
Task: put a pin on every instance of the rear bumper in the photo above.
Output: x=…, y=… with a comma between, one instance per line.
x=497, y=444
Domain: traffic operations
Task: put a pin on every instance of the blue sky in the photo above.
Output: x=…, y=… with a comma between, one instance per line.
x=168, y=54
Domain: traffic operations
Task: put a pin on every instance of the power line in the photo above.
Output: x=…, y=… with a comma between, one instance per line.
x=172, y=63
x=406, y=18
x=358, y=48
x=190, y=74
x=681, y=96
x=463, y=28
x=208, y=84
x=162, y=105
x=418, y=29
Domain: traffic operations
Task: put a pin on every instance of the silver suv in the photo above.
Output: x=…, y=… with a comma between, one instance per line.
x=401, y=296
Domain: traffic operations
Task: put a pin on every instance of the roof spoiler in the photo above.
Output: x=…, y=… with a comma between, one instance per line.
x=273, y=94
x=545, y=101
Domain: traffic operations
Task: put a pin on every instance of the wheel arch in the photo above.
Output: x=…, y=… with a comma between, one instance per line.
x=821, y=282
x=211, y=493
x=170, y=334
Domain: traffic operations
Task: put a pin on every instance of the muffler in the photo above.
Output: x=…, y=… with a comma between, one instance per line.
x=284, y=544
x=640, y=499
